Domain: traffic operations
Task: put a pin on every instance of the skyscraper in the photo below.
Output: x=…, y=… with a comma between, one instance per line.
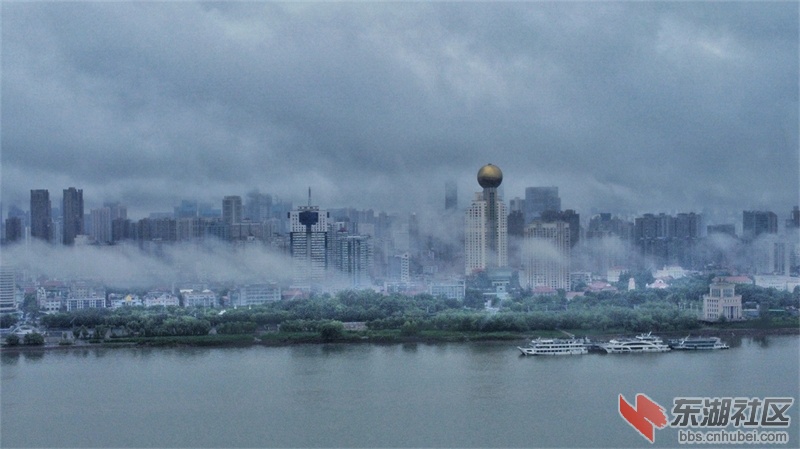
x=540, y=199
x=13, y=229
x=259, y=207
x=355, y=260
x=450, y=195
x=546, y=255
x=755, y=223
x=41, y=220
x=72, y=208
x=101, y=225
x=570, y=217
x=8, y=289
x=308, y=244
x=486, y=229
x=232, y=209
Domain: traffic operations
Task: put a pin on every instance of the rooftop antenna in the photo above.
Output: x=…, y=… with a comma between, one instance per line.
x=309, y=196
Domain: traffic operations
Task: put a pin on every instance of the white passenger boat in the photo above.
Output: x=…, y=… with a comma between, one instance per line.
x=640, y=343
x=699, y=343
x=555, y=346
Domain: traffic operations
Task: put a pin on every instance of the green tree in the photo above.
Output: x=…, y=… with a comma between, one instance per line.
x=331, y=330
x=12, y=340
x=34, y=339
x=409, y=329
x=8, y=320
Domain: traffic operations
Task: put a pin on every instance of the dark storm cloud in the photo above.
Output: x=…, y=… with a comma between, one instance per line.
x=634, y=106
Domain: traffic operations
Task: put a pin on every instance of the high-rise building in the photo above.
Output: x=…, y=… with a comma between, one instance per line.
x=546, y=255
x=486, y=228
x=540, y=199
x=259, y=207
x=450, y=196
x=355, y=260
x=794, y=218
x=755, y=223
x=14, y=231
x=101, y=225
x=72, y=208
x=569, y=216
x=41, y=220
x=8, y=289
x=117, y=210
x=728, y=229
x=232, y=209
x=122, y=229
x=400, y=268
x=187, y=209
x=308, y=244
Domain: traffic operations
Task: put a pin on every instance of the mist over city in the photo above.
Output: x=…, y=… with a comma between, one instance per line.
x=629, y=107
x=399, y=224
x=379, y=115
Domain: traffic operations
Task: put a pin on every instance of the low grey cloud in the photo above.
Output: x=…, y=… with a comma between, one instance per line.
x=649, y=107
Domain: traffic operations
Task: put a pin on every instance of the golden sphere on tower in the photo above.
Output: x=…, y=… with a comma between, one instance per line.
x=490, y=176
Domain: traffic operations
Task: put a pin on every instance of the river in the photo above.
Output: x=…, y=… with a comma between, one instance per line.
x=367, y=395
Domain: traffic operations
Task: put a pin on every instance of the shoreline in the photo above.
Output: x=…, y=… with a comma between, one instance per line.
x=243, y=341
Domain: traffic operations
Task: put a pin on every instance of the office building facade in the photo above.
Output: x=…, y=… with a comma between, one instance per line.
x=41, y=215
x=72, y=209
x=546, y=255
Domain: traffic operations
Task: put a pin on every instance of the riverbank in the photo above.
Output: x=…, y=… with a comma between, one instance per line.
x=380, y=337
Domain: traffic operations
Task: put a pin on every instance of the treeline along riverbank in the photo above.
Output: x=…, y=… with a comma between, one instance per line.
x=357, y=316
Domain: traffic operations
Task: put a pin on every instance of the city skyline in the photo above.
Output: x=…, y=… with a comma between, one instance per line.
x=218, y=208
x=677, y=106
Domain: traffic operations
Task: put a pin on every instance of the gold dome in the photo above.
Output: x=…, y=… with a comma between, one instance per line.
x=490, y=176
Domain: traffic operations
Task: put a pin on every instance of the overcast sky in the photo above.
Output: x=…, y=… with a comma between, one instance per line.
x=636, y=106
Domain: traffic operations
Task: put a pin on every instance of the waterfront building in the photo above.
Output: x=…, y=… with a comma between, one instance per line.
x=73, y=304
x=85, y=295
x=8, y=289
x=778, y=282
x=722, y=302
x=164, y=299
x=455, y=289
x=485, y=225
x=129, y=300
x=199, y=298
x=256, y=294
x=546, y=255
x=41, y=219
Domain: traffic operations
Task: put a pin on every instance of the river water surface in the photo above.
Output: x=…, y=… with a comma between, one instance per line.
x=364, y=395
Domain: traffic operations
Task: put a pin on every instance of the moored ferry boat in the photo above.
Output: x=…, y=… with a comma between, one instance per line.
x=699, y=343
x=640, y=343
x=555, y=346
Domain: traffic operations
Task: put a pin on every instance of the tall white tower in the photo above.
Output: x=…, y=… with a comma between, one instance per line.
x=308, y=233
x=485, y=225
